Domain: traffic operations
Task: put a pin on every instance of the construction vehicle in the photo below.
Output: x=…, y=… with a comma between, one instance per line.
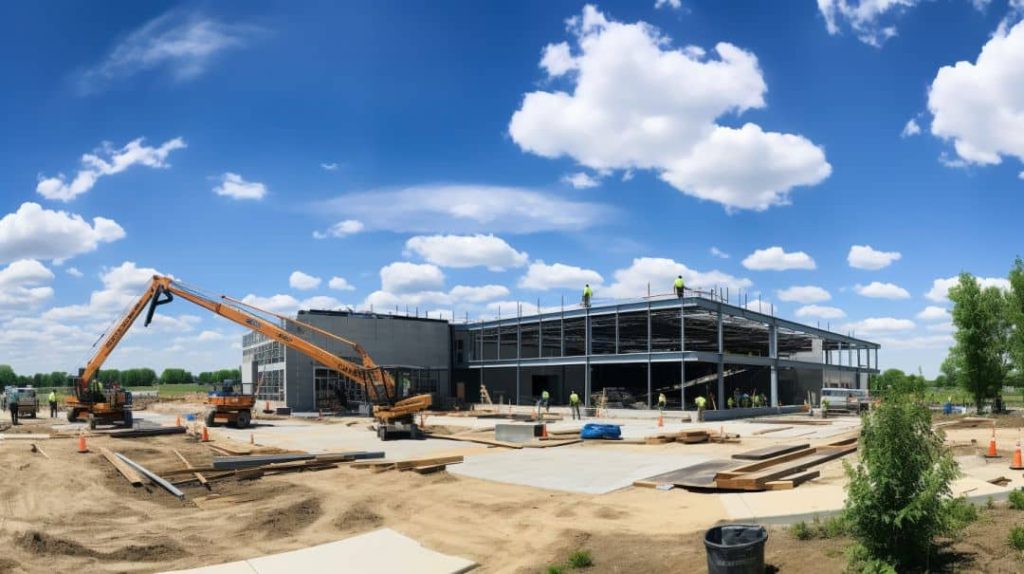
x=377, y=383
x=228, y=406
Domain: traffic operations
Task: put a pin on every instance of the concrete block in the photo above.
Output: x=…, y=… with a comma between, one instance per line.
x=517, y=433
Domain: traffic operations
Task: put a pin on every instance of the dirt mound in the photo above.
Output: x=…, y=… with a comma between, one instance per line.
x=157, y=552
x=8, y=565
x=46, y=545
x=286, y=521
x=359, y=517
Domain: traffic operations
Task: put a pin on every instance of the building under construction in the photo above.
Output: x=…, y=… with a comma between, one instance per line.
x=683, y=347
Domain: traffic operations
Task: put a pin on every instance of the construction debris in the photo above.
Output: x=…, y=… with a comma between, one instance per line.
x=261, y=460
x=126, y=471
x=141, y=432
x=199, y=476
x=37, y=448
x=152, y=476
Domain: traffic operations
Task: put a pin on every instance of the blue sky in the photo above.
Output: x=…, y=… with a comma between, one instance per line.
x=455, y=156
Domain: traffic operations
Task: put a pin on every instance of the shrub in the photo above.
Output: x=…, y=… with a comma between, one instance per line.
x=580, y=559
x=555, y=570
x=860, y=561
x=1017, y=499
x=990, y=503
x=898, y=494
x=834, y=526
x=801, y=531
x=959, y=513
x=1017, y=537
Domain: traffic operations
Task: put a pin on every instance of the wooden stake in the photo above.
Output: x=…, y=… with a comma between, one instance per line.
x=199, y=475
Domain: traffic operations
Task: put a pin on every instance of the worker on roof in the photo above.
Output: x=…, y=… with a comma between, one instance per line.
x=662, y=401
x=701, y=401
x=587, y=294
x=679, y=286
x=545, y=400
x=574, y=405
x=53, y=403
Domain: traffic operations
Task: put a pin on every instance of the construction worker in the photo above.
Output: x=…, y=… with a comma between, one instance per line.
x=53, y=403
x=574, y=405
x=730, y=403
x=662, y=401
x=12, y=403
x=587, y=294
x=545, y=399
x=679, y=286
x=701, y=401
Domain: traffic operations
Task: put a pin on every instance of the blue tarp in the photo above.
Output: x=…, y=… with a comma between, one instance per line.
x=595, y=430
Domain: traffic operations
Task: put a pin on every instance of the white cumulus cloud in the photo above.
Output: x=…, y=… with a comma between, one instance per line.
x=910, y=129
x=933, y=313
x=581, y=180
x=880, y=290
x=777, y=259
x=673, y=4
x=880, y=325
x=820, y=312
x=866, y=257
x=402, y=277
x=342, y=228
x=542, y=276
x=236, y=187
x=23, y=283
x=718, y=253
x=804, y=294
x=303, y=281
x=461, y=251
x=638, y=103
x=940, y=287
x=660, y=273
x=477, y=294
x=980, y=106
x=105, y=161
x=870, y=20
x=36, y=233
x=74, y=272
x=340, y=284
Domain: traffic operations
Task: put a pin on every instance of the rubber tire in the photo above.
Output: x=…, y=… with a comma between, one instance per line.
x=129, y=419
x=209, y=418
x=72, y=415
x=243, y=419
x=92, y=421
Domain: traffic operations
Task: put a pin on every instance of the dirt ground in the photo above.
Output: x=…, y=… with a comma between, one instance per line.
x=74, y=512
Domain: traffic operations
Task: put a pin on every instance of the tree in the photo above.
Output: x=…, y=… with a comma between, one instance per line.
x=1015, y=316
x=7, y=377
x=979, y=355
x=175, y=377
x=895, y=380
x=898, y=494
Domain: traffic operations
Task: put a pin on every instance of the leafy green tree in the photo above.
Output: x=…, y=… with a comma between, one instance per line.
x=7, y=377
x=981, y=338
x=175, y=377
x=1015, y=316
x=898, y=495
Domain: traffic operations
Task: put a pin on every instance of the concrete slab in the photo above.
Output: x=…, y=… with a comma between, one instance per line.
x=572, y=468
x=382, y=550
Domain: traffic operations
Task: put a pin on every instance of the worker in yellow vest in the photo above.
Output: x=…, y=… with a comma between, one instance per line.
x=701, y=401
x=52, y=399
x=662, y=401
x=574, y=406
x=587, y=294
x=679, y=286
x=545, y=400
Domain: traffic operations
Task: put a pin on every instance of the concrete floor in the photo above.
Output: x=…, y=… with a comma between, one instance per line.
x=576, y=468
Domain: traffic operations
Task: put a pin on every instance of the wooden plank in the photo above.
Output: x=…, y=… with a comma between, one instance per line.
x=428, y=461
x=199, y=476
x=153, y=476
x=769, y=451
x=696, y=476
x=795, y=421
x=766, y=431
x=25, y=436
x=761, y=464
x=430, y=468
x=552, y=443
x=37, y=448
x=792, y=482
x=144, y=432
x=757, y=480
x=126, y=471
x=479, y=440
x=371, y=463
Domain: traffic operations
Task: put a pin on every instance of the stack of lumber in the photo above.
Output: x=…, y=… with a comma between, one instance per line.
x=771, y=468
x=685, y=436
x=403, y=408
x=419, y=465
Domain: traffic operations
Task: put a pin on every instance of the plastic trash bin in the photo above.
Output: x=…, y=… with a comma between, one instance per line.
x=736, y=549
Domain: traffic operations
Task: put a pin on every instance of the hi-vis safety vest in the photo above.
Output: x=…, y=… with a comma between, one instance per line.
x=574, y=399
x=679, y=282
x=700, y=402
x=545, y=395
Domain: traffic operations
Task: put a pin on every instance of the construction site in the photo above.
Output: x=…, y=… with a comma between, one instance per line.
x=402, y=444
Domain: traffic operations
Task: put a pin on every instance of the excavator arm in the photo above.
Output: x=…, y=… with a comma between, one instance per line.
x=162, y=290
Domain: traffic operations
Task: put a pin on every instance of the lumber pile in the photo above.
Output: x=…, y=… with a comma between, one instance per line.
x=789, y=468
x=426, y=465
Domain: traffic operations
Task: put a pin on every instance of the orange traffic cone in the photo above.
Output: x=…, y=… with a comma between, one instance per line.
x=992, y=453
x=82, y=448
x=1017, y=463
x=206, y=435
x=177, y=421
x=661, y=421
x=543, y=431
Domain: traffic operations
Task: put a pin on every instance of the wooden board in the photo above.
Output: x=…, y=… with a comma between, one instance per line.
x=762, y=464
x=478, y=440
x=548, y=443
x=430, y=469
x=428, y=461
x=132, y=475
x=697, y=476
x=769, y=451
x=793, y=481
x=794, y=421
x=757, y=480
x=766, y=431
x=199, y=476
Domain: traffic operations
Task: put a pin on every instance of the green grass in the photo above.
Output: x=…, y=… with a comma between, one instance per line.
x=555, y=570
x=171, y=391
x=1017, y=537
x=832, y=527
x=581, y=559
x=801, y=531
x=1017, y=499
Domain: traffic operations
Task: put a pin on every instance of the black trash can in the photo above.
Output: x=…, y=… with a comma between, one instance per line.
x=736, y=549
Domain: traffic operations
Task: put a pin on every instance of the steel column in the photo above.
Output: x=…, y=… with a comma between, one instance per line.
x=721, y=360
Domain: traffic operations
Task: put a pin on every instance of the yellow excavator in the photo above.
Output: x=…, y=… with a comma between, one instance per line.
x=114, y=405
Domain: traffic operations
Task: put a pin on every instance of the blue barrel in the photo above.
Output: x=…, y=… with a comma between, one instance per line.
x=947, y=409
x=736, y=549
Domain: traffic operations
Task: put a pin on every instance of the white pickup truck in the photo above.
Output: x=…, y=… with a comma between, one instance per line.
x=28, y=402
